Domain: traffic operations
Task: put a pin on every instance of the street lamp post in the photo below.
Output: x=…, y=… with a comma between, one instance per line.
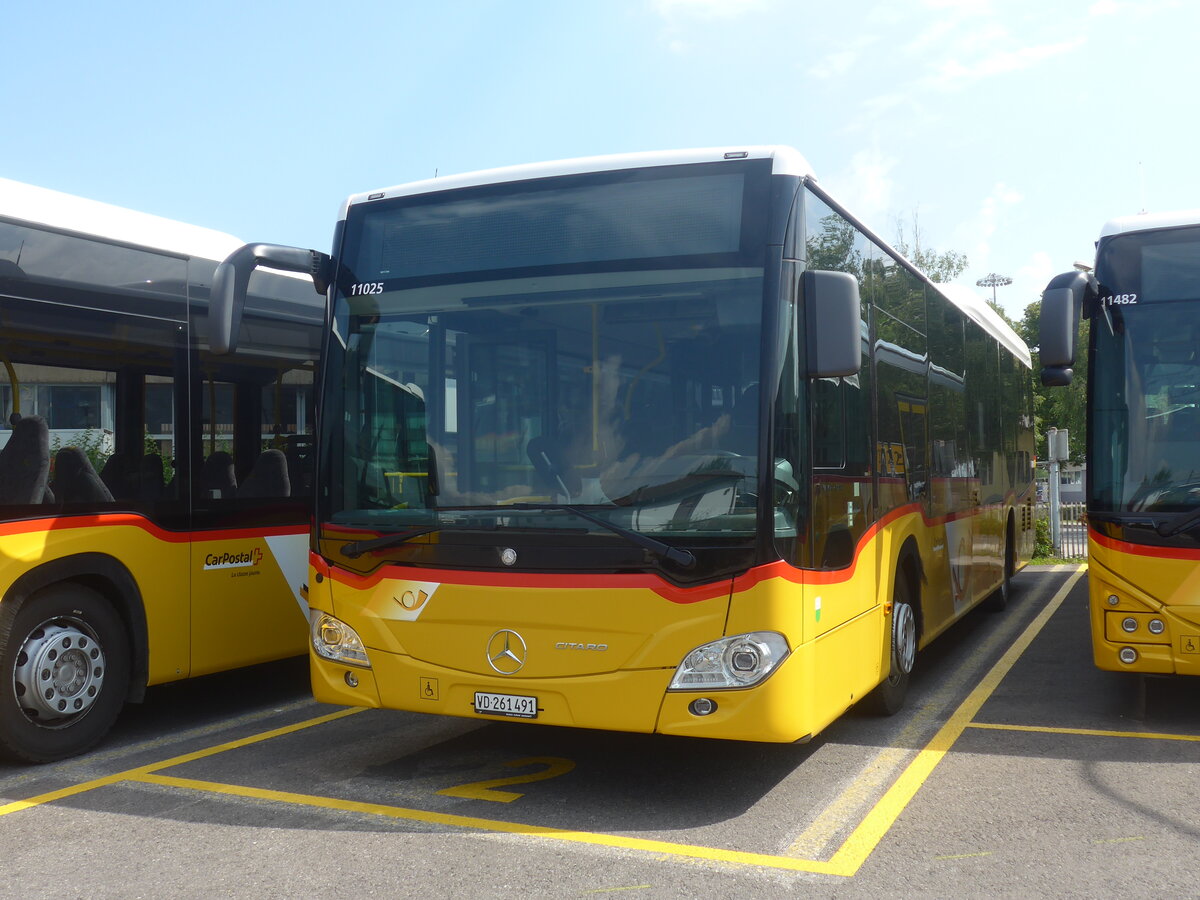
x=994, y=281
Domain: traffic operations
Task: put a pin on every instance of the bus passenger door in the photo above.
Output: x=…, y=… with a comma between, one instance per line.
x=250, y=462
x=250, y=520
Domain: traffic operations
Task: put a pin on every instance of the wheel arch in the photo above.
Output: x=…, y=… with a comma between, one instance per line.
x=910, y=568
x=107, y=576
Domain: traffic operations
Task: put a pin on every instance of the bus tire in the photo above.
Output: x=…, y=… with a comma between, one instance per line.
x=64, y=672
x=997, y=601
x=888, y=697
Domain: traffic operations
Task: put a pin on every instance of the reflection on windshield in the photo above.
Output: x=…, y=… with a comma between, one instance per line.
x=1146, y=394
x=1164, y=391
x=633, y=394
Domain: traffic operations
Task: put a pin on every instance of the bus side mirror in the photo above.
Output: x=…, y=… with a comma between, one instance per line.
x=1062, y=303
x=232, y=278
x=834, y=323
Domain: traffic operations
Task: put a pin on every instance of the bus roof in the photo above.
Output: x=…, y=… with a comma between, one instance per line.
x=786, y=161
x=981, y=313
x=1150, y=222
x=41, y=206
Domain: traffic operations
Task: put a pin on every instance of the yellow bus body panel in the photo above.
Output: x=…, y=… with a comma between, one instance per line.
x=244, y=608
x=1149, y=584
x=600, y=650
x=197, y=620
x=159, y=567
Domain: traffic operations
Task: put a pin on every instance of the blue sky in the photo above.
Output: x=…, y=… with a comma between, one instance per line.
x=1010, y=130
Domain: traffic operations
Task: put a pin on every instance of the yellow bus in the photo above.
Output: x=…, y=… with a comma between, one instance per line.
x=661, y=442
x=1143, y=445
x=154, y=497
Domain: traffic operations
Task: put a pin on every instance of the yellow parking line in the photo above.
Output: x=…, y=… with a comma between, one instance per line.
x=1089, y=732
x=863, y=840
x=18, y=805
x=882, y=769
x=67, y=767
x=134, y=774
x=494, y=825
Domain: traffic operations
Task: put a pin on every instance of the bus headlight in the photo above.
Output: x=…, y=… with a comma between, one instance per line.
x=334, y=639
x=733, y=662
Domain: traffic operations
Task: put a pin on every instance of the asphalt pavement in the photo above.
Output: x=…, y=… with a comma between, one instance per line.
x=1017, y=769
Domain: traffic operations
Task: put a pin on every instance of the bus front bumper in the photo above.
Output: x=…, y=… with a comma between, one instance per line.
x=634, y=701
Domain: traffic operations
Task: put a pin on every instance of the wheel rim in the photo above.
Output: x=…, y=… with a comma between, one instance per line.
x=904, y=638
x=59, y=672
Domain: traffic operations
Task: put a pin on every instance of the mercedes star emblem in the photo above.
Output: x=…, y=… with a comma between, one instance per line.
x=506, y=652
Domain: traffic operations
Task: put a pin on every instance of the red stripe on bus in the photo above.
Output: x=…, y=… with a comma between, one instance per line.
x=570, y=580
x=664, y=589
x=35, y=526
x=1141, y=549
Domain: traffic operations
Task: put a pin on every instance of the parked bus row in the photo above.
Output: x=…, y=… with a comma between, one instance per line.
x=659, y=442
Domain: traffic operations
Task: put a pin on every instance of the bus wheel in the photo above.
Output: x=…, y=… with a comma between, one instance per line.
x=64, y=672
x=888, y=698
x=997, y=601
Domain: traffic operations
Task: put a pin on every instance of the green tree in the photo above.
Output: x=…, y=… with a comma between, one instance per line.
x=833, y=248
x=939, y=266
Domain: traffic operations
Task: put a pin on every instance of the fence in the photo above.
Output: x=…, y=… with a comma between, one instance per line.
x=1072, y=532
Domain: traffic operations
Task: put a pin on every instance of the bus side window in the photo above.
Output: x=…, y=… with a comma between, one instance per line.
x=829, y=423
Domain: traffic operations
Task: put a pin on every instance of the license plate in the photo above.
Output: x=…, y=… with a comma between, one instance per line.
x=506, y=705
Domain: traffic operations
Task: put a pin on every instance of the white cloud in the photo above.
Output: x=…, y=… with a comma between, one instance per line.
x=1029, y=281
x=977, y=232
x=835, y=64
x=965, y=26
x=678, y=14
x=885, y=103
x=976, y=7
x=841, y=61
x=1132, y=11
x=960, y=42
x=1140, y=9
x=988, y=220
x=705, y=9
x=953, y=75
x=866, y=187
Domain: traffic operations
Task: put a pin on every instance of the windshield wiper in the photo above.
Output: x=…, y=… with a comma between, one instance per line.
x=684, y=558
x=678, y=555
x=1122, y=518
x=1168, y=527
x=355, y=549
x=1185, y=521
